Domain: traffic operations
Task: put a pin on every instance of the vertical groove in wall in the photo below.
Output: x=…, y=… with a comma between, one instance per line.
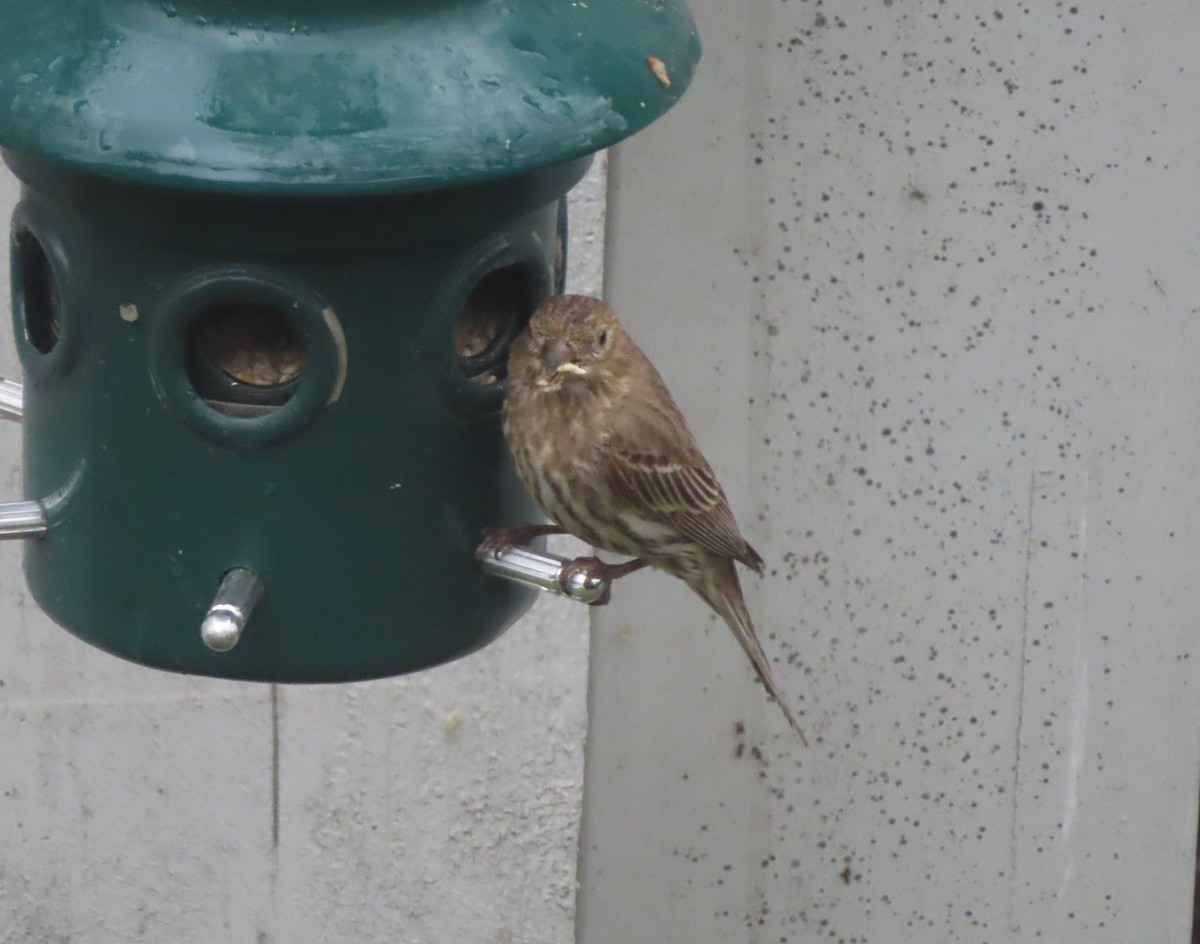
x=275, y=770
x=612, y=176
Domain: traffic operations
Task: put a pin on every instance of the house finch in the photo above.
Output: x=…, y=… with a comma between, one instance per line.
x=606, y=454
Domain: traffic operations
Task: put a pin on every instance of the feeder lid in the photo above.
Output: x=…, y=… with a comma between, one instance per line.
x=322, y=97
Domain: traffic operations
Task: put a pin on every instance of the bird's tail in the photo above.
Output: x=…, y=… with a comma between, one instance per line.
x=719, y=587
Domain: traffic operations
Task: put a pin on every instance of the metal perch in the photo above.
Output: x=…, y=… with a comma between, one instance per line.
x=12, y=400
x=546, y=571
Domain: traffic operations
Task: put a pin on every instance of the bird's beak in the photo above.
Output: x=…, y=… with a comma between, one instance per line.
x=558, y=358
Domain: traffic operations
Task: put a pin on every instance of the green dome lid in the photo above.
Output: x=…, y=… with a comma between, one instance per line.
x=335, y=96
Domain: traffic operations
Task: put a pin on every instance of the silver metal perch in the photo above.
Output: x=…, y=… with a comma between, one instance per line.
x=12, y=400
x=240, y=592
x=543, y=572
x=22, y=519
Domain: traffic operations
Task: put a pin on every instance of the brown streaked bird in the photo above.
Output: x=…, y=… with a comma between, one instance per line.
x=607, y=455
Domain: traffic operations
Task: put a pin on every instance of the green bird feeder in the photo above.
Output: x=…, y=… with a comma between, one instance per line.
x=267, y=261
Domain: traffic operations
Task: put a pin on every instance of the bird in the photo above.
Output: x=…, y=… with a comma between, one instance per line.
x=604, y=451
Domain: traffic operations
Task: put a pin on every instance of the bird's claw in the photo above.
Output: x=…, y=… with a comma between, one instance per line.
x=585, y=572
x=497, y=539
x=494, y=541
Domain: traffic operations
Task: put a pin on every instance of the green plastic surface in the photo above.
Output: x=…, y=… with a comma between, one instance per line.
x=358, y=168
x=362, y=513
x=334, y=96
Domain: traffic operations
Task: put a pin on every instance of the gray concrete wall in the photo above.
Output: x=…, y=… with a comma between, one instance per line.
x=924, y=275
x=139, y=806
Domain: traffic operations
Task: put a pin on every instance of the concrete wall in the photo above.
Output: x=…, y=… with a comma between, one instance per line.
x=138, y=806
x=924, y=275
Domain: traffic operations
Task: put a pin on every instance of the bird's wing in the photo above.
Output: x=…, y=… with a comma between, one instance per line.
x=657, y=466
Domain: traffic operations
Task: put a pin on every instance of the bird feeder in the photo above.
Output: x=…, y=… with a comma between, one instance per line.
x=266, y=265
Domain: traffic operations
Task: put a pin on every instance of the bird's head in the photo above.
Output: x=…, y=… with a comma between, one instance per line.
x=572, y=341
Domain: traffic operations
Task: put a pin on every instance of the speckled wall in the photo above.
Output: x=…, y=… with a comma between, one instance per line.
x=139, y=806
x=925, y=277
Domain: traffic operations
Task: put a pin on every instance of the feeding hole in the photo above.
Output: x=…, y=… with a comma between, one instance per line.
x=495, y=311
x=35, y=292
x=245, y=359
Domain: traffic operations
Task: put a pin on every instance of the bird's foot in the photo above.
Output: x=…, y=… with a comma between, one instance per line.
x=497, y=539
x=591, y=571
x=585, y=572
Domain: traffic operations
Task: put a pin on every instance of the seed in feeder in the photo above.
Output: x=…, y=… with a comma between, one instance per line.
x=476, y=329
x=253, y=345
x=659, y=68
